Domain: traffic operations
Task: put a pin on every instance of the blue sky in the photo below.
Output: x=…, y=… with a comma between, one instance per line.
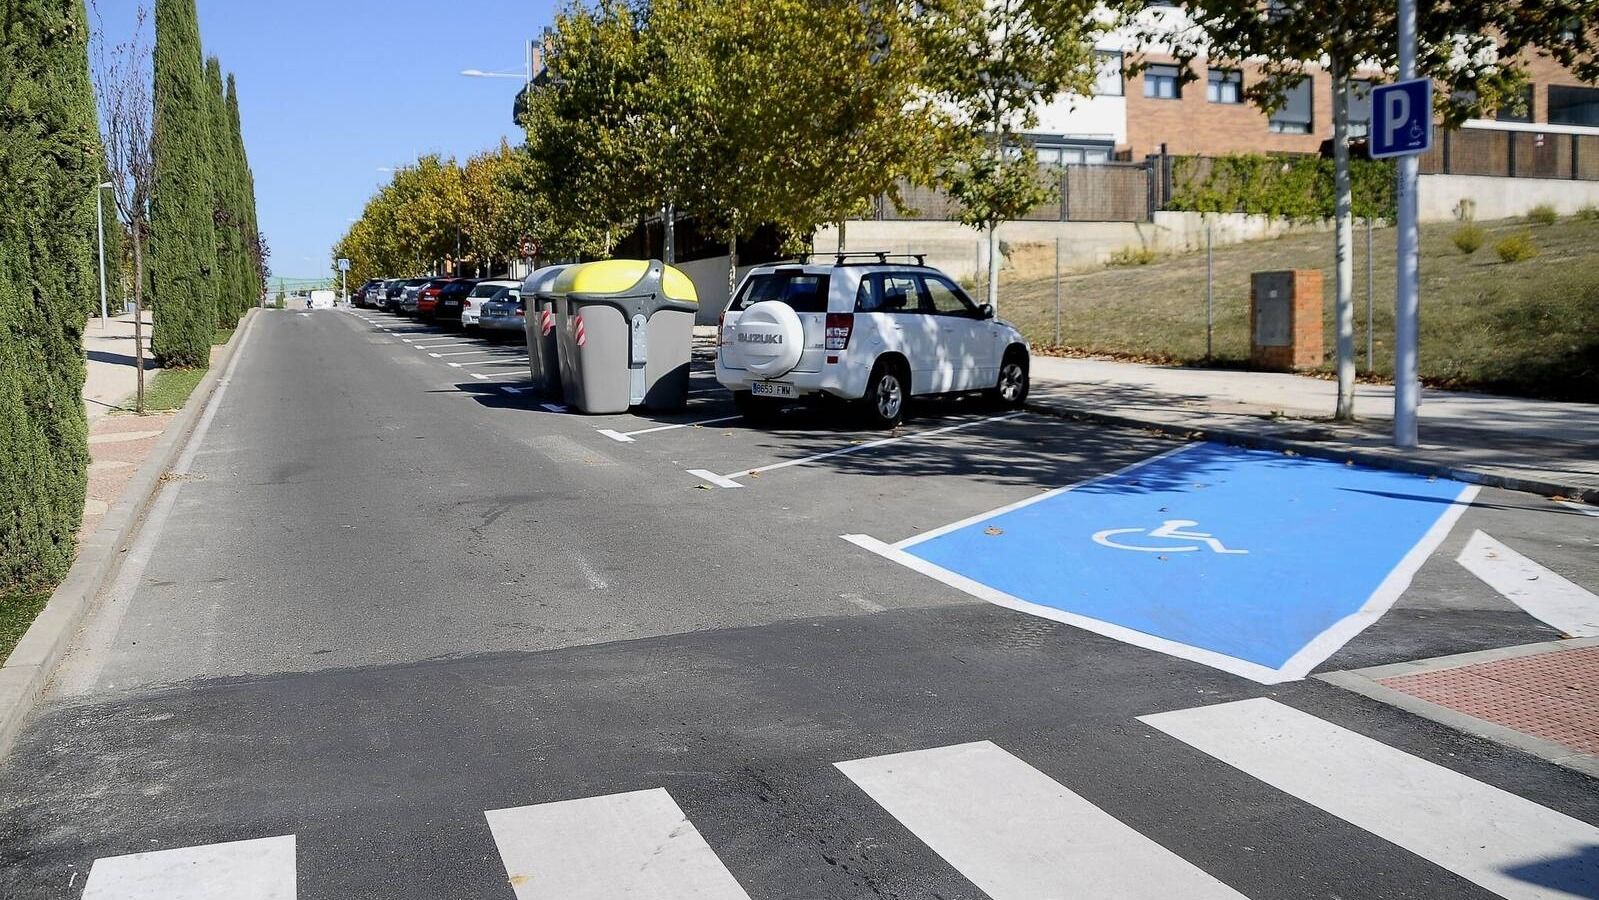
x=333, y=92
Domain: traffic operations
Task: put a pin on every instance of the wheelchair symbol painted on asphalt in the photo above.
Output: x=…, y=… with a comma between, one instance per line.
x=1170, y=530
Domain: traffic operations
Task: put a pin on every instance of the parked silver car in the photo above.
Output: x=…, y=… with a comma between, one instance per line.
x=413, y=286
x=504, y=313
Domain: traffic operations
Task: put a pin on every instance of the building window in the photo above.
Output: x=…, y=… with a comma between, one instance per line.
x=1224, y=86
x=1296, y=114
x=1108, y=74
x=1518, y=108
x=1360, y=107
x=1161, y=83
x=1572, y=105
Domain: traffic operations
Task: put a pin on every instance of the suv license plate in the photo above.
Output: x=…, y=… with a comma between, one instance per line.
x=772, y=389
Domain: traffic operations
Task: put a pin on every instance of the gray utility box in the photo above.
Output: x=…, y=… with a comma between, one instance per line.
x=626, y=333
x=543, y=345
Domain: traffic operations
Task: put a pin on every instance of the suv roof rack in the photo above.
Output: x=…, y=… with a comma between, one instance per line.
x=867, y=258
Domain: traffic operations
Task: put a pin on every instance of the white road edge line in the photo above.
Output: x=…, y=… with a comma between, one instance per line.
x=714, y=478
x=1543, y=594
x=1484, y=834
x=259, y=869
x=633, y=434
x=730, y=480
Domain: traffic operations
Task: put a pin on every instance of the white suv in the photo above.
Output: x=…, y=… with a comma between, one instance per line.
x=863, y=328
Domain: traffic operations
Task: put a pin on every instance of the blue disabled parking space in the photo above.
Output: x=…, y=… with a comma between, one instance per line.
x=1250, y=561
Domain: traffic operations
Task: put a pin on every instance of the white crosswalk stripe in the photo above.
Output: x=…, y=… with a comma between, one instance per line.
x=637, y=844
x=1008, y=828
x=1495, y=839
x=262, y=869
x=1543, y=594
x=1018, y=834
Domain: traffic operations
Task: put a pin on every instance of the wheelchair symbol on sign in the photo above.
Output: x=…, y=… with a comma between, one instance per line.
x=1170, y=530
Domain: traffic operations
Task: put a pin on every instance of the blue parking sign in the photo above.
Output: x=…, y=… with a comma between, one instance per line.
x=1401, y=119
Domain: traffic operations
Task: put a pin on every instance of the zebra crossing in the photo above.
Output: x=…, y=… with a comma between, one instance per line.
x=1009, y=828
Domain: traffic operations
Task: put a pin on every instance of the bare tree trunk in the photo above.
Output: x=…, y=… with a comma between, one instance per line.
x=138, y=319
x=1344, y=306
x=732, y=262
x=993, y=265
x=841, y=235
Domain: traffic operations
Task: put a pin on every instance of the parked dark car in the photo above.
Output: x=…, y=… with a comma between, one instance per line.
x=427, y=299
x=389, y=294
x=451, y=298
x=365, y=295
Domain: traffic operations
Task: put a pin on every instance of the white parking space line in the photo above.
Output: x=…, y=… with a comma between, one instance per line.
x=1490, y=837
x=637, y=844
x=1583, y=508
x=479, y=376
x=1545, y=595
x=467, y=352
x=732, y=480
x=513, y=391
x=553, y=407
x=262, y=869
x=1018, y=834
x=627, y=437
x=504, y=360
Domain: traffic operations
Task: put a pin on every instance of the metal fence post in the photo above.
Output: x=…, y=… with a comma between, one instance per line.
x=1065, y=195
x=1510, y=153
x=1576, y=151
x=1449, y=152
x=1210, y=291
x=1370, y=290
x=1057, y=290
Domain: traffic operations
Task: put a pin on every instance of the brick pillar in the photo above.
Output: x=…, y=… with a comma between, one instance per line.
x=1285, y=319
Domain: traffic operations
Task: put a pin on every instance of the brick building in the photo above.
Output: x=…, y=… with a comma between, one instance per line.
x=1132, y=116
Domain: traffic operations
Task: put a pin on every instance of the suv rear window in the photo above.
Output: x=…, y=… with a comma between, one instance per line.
x=806, y=292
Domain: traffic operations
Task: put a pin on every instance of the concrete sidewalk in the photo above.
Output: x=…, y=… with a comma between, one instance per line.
x=112, y=376
x=1544, y=446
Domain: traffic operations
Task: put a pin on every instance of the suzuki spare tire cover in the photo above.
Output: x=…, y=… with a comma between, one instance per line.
x=770, y=339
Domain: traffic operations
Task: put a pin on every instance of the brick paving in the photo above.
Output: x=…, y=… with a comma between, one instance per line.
x=118, y=446
x=1553, y=695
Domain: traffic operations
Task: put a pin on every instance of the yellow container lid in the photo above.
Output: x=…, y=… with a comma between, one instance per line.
x=622, y=276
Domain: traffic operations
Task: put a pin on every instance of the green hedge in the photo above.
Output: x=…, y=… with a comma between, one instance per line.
x=1295, y=187
x=50, y=162
x=183, y=242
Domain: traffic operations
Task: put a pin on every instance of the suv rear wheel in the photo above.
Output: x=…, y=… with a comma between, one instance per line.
x=886, y=395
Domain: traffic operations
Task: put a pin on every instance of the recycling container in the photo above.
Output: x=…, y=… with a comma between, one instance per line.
x=626, y=334
x=543, y=353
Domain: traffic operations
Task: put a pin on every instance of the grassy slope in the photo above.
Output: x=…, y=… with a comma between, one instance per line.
x=1529, y=328
x=17, y=612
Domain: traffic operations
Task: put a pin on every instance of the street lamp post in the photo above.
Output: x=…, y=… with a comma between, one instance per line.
x=99, y=219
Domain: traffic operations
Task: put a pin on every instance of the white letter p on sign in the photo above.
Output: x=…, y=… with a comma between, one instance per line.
x=1397, y=114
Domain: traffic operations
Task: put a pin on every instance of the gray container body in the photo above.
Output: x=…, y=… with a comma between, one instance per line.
x=543, y=346
x=625, y=350
x=543, y=342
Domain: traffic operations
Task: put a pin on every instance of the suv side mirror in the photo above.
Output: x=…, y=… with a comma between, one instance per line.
x=986, y=311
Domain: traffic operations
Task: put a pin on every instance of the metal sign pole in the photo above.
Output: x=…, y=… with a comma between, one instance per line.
x=1407, y=388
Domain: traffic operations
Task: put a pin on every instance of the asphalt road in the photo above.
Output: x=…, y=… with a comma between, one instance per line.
x=391, y=595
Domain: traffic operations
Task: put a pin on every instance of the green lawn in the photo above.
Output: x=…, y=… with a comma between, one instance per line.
x=222, y=336
x=17, y=612
x=170, y=388
x=1528, y=328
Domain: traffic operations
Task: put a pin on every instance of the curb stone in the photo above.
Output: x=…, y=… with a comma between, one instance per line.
x=1252, y=440
x=29, y=668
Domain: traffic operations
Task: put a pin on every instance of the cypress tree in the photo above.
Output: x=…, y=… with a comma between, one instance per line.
x=50, y=158
x=224, y=197
x=183, y=257
x=256, y=281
